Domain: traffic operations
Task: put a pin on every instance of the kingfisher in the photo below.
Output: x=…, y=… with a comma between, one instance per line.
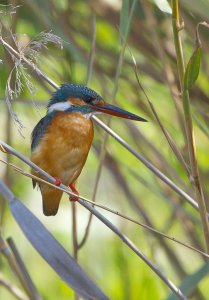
x=62, y=138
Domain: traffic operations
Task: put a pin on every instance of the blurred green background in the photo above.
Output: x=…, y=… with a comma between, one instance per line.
x=126, y=185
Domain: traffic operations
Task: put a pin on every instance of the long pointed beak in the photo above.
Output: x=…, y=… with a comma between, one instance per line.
x=118, y=112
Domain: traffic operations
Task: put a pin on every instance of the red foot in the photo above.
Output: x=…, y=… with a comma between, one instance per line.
x=57, y=181
x=74, y=190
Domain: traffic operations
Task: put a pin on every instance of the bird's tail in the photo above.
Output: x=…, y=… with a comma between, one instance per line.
x=51, y=199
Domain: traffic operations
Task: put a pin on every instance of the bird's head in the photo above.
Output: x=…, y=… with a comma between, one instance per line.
x=74, y=97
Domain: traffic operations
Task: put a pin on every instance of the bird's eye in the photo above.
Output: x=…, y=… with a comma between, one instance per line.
x=92, y=100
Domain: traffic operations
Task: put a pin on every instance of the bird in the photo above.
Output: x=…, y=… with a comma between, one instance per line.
x=61, y=140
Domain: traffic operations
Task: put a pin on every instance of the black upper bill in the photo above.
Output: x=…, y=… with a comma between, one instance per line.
x=118, y=112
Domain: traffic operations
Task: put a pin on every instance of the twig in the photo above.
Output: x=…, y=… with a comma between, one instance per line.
x=167, y=72
x=109, y=210
x=85, y=236
x=150, y=166
x=112, y=227
x=169, y=139
x=137, y=251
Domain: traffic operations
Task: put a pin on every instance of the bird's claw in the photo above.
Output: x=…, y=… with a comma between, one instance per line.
x=57, y=181
x=74, y=190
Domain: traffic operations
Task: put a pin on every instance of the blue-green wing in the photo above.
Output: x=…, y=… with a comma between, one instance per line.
x=39, y=130
x=38, y=133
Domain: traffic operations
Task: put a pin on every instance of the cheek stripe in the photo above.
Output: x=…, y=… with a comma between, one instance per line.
x=59, y=106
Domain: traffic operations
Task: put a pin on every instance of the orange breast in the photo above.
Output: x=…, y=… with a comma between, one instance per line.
x=63, y=150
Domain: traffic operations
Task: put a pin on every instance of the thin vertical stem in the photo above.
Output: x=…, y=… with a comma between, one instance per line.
x=25, y=274
x=105, y=136
x=14, y=267
x=75, y=237
x=177, y=41
x=89, y=75
x=194, y=173
x=74, y=230
x=92, y=52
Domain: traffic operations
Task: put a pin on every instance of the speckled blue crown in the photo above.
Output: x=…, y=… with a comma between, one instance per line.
x=73, y=91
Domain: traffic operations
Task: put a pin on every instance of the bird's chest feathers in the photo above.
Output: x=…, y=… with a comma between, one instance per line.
x=65, y=144
x=71, y=129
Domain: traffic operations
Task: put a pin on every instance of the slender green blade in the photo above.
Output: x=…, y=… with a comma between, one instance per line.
x=124, y=16
x=192, y=69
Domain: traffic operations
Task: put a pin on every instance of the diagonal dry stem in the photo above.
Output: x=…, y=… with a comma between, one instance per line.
x=105, y=221
x=150, y=228
x=167, y=135
x=167, y=72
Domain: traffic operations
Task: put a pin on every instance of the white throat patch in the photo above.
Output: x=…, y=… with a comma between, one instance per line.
x=59, y=106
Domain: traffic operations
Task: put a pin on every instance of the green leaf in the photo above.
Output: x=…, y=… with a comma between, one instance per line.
x=192, y=69
x=124, y=19
x=163, y=5
x=190, y=283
